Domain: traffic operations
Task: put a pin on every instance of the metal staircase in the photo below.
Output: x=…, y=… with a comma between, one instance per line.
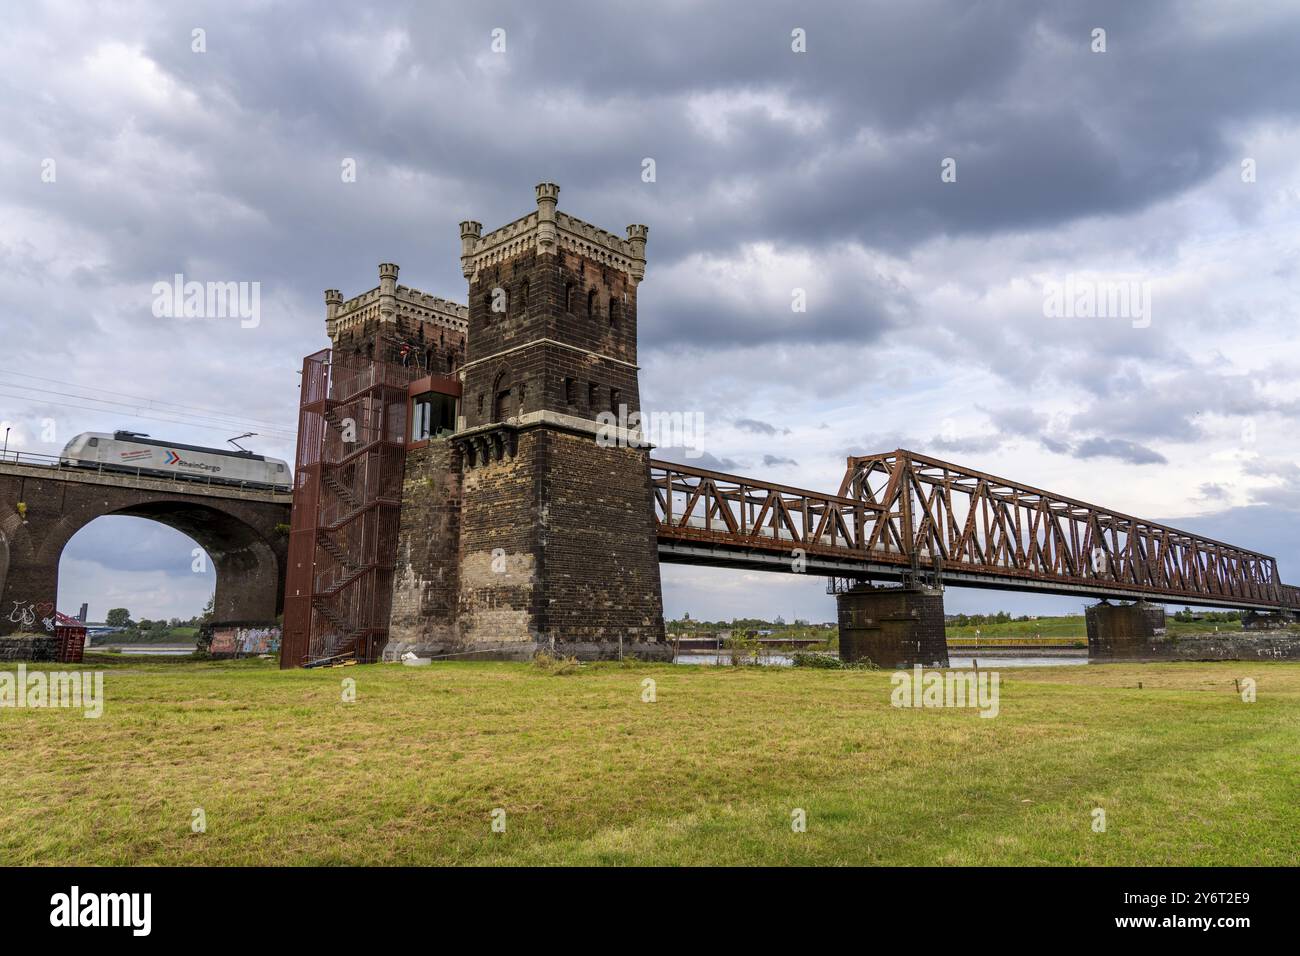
x=343, y=537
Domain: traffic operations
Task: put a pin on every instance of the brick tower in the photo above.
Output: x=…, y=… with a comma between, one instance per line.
x=557, y=539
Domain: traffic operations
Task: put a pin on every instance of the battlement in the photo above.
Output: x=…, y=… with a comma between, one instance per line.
x=389, y=301
x=546, y=230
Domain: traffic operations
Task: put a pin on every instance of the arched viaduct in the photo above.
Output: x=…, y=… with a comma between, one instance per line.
x=243, y=531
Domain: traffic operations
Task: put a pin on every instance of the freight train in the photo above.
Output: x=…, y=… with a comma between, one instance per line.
x=139, y=454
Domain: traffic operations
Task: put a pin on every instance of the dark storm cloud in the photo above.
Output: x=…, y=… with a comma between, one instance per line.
x=757, y=427
x=695, y=458
x=1119, y=448
x=1176, y=407
x=753, y=142
x=1210, y=491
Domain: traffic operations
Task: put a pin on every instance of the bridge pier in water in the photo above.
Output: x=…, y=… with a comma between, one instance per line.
x=1137, y=632
x=892, y=626
x=1125, y=632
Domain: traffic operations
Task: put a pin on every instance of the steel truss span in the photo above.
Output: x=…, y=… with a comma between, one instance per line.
x=904, y=516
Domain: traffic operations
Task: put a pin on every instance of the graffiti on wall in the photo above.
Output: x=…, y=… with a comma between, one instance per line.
x=27, y=613
x=238, y=641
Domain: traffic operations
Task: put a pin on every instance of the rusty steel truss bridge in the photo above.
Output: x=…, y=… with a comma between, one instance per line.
x=901, y=516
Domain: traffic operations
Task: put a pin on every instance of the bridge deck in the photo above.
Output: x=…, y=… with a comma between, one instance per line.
x=30, y=465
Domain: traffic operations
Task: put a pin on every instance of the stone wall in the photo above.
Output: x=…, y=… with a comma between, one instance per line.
x=600, y=551
x=29, y=647
x=515, y=365
x=426, y=579
x=558, y=551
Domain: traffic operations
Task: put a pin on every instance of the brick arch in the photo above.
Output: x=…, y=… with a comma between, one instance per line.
x=241, y=533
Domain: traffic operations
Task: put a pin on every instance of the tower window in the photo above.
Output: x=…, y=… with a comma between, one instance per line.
x=432, y=416
x=591, y=303
x=614, y=396
x=501, y=408
x=523, y=299
x=570, y=392
x=593, y=395
x=568, y=297
x=613, y=310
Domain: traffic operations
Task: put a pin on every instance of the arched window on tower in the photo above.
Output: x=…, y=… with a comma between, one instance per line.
x=591, y=303
x=500, y=398
x=613, y=310
x=523, y=299
x=568, y=297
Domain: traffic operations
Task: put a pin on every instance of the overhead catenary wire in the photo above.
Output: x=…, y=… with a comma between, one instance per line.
x=220, y=427
x=181, y=416
x=162, y=405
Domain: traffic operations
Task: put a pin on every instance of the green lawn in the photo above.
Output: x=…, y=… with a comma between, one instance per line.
x=171, y=635
x=287, y=773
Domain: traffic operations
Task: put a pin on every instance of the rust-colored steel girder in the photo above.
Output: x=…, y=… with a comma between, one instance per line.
x=900, y=513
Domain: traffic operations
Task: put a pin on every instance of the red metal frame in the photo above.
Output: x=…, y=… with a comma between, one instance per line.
x=442, y=384
x=347, y=502
x=916, y=513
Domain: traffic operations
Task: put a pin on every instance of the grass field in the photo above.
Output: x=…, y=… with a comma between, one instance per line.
x=709, y=773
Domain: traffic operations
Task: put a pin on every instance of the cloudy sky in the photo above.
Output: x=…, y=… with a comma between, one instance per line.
x=930, y=174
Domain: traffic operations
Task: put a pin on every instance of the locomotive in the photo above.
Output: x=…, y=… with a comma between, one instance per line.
x=139, y=454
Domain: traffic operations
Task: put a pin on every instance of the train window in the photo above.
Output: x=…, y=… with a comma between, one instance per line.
x=279, y=467
x=93, y=443
x=433, y=416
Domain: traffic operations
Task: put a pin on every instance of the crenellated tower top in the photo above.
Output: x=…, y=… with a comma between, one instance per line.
x=548, y=231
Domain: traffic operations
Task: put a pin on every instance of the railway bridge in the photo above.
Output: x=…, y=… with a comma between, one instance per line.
x=902, y=516
x=471, y=481
x=42, y=505
x=919, y=522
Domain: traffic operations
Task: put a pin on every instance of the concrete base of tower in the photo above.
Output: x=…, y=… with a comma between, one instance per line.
x=892, y=626
x=1126, y=632
x=604, y=650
